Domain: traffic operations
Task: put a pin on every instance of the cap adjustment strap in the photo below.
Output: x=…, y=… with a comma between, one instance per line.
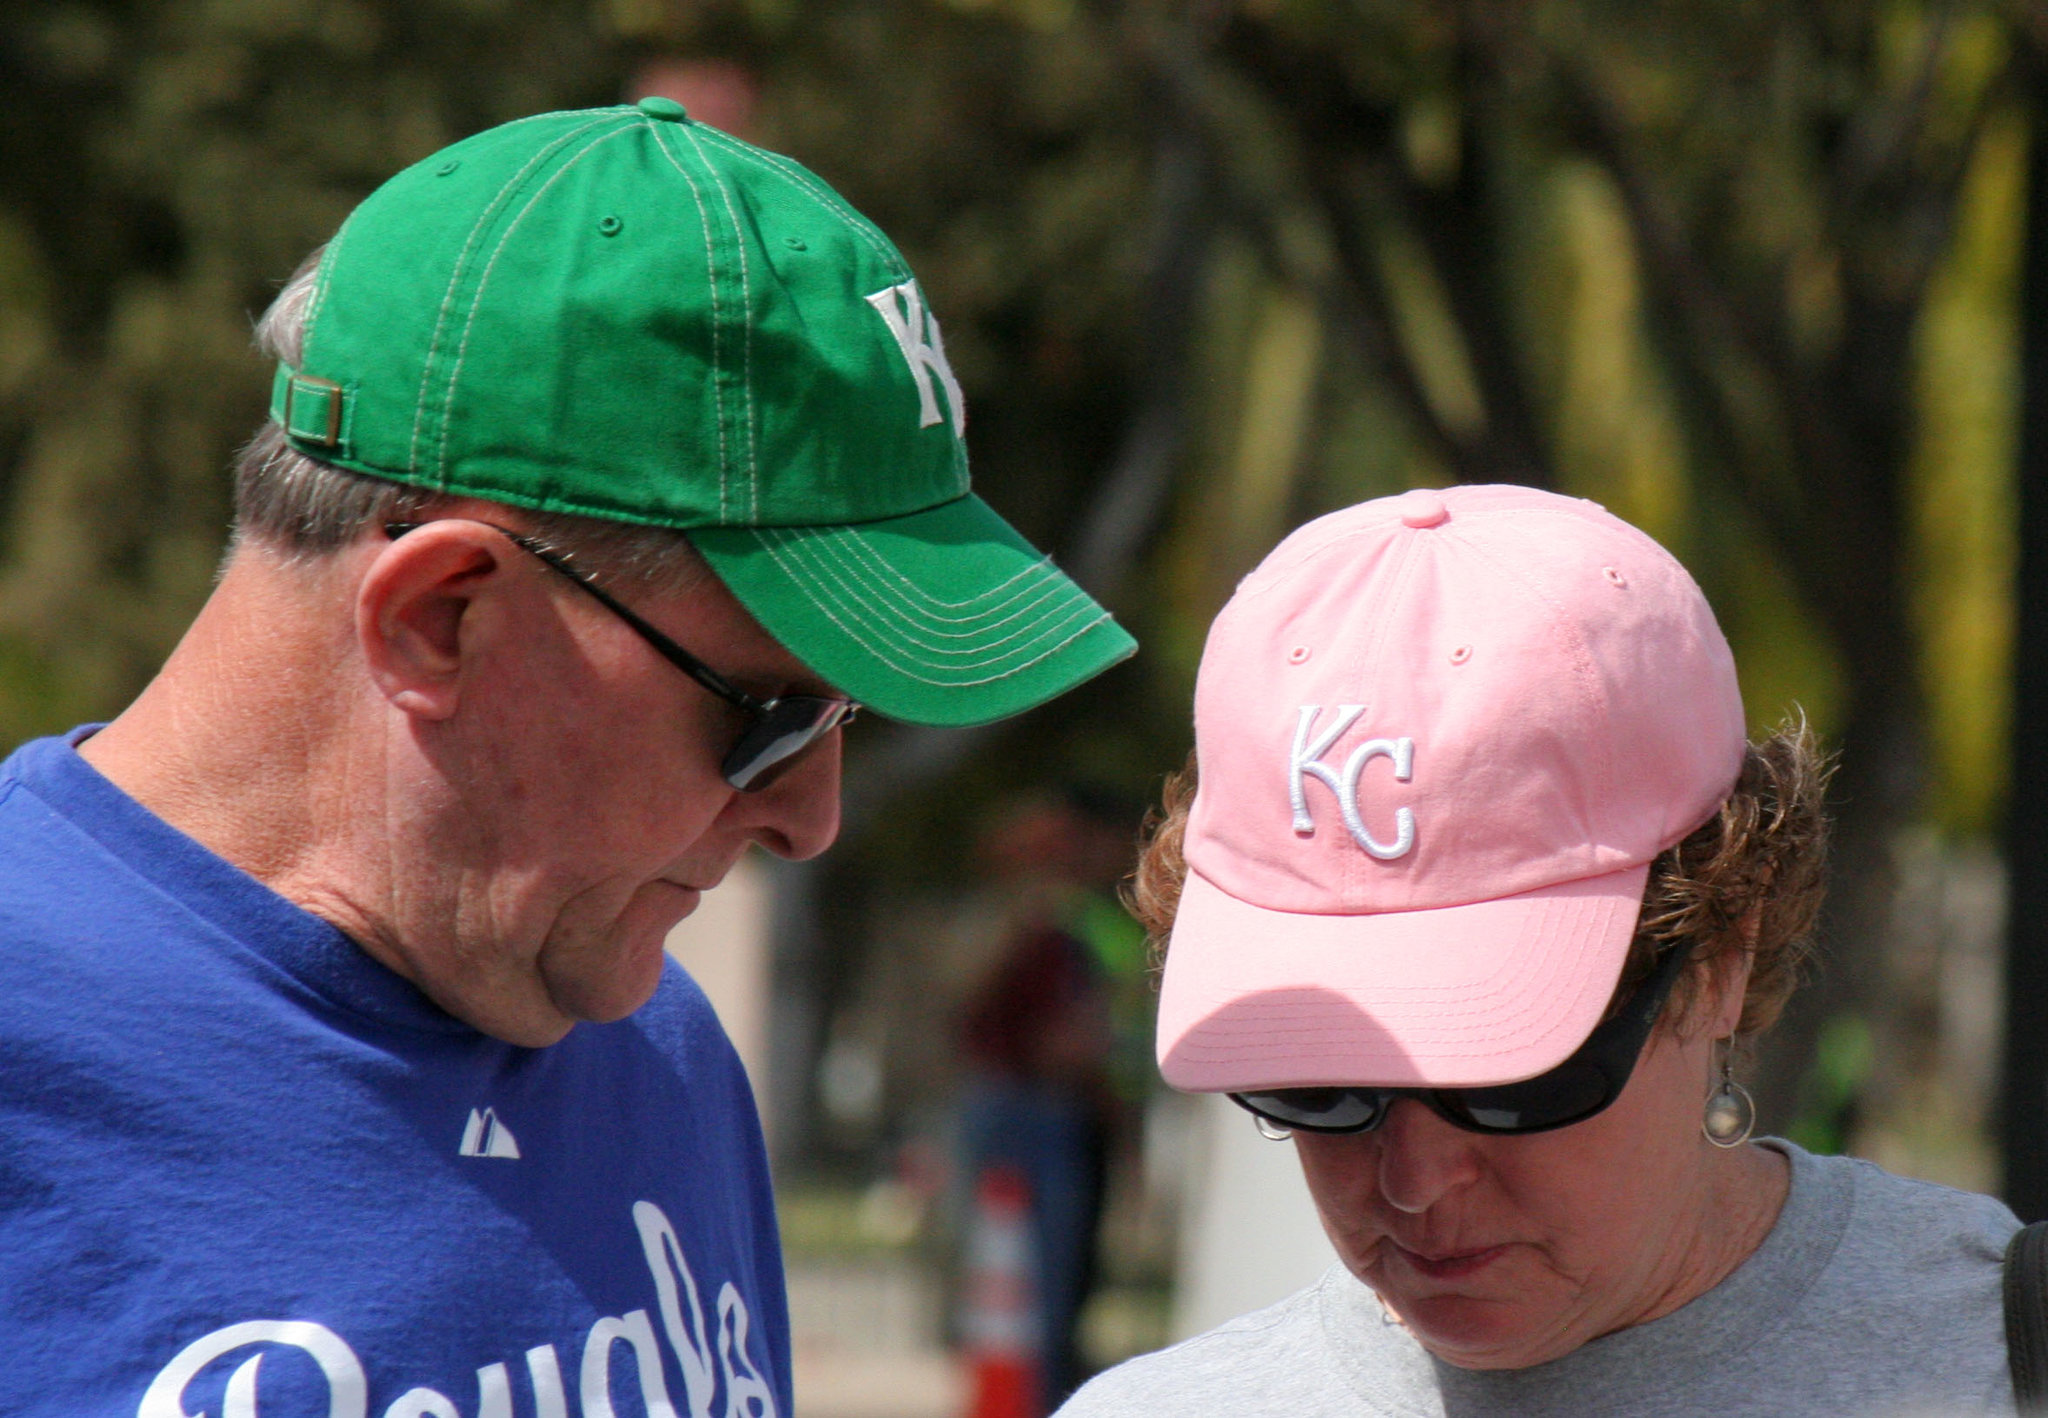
x=308, y=408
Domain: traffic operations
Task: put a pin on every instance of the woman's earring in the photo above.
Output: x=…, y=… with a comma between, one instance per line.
x=1730, y=1113
x=1270, y=1130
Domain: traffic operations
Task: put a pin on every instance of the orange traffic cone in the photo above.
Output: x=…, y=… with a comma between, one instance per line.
x=999, y=1320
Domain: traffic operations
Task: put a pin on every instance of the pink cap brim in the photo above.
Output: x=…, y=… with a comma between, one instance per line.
x=1457, y=996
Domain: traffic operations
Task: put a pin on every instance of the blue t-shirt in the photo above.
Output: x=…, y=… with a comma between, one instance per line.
x=247, y=1171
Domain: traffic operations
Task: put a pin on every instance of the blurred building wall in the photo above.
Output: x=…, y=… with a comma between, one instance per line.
x=1252, y=1235
x=724, y=945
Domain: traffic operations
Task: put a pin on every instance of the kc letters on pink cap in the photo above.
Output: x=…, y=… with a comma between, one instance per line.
x=1441, y=736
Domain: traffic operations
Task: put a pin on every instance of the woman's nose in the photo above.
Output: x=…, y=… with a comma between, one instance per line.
x=1422, y=1158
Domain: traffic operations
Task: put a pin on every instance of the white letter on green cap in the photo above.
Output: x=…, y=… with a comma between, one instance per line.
x=917, y=335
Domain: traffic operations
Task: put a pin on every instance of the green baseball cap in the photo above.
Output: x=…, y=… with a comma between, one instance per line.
x=626, y=314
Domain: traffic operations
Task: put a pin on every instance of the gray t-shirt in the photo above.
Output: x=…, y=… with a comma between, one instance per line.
x=1872, y=1295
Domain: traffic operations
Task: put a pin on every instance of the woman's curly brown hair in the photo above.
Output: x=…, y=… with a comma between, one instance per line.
x=1750, y=878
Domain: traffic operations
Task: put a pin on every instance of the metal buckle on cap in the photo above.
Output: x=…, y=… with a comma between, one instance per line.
x=301, y=389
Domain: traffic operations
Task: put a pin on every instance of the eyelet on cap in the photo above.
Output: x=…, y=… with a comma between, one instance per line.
x=1298, y=655
x=1614, y=576
x=609, y=226
x=794, y=243
x=1460, y=655
x=447, y=167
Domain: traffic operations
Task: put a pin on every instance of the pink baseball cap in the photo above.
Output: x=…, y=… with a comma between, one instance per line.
x=1441, y=736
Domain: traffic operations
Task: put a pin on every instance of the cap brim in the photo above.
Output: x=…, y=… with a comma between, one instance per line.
x=944, y=617
x=1459, y=996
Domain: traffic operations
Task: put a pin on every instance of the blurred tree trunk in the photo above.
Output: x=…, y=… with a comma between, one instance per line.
x=1814, y=446
x=2023, y=1101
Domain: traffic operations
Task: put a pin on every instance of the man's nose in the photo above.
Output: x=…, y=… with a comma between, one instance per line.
x=797, y=815
x=1422, y=1158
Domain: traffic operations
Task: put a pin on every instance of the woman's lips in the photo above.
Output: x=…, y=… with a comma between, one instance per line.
x=1449, y=1265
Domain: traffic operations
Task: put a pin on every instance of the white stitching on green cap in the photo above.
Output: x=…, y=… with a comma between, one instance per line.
x=915, y=593
x=717, y=328
x=455, y=275
x=739, y=242
x=828, y=199
x=910, y=669
x=483, y=282
x=1047, y=589
x=825, y=590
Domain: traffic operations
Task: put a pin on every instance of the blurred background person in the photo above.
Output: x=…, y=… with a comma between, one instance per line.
x=1056, y=1041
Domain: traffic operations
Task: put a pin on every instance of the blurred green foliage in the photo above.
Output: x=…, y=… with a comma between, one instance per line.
x=162, y=170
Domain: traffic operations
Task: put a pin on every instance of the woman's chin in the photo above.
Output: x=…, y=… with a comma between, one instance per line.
x=1474, y=1333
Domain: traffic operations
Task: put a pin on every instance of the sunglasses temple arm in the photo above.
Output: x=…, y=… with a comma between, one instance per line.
x=675, y=654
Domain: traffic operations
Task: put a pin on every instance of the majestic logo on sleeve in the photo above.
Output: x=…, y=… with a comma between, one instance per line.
x=916, y=330
x=1305, y=762
x=485, y=1136
x=713, y=1362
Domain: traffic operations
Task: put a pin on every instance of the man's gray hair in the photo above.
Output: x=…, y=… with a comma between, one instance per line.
x=298, y=505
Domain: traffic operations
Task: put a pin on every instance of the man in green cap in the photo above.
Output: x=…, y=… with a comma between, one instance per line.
x=612, y=464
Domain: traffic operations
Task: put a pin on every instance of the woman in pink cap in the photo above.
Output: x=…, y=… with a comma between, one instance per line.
x=1481, y=889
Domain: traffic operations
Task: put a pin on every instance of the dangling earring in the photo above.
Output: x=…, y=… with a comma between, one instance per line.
x=1730, y=1113
x=1270, y=1130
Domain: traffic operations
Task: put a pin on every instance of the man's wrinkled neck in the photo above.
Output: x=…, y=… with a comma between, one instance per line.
x=246, y=742
x=225, y=743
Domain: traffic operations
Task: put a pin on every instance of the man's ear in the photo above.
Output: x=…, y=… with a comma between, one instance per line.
x=411, y=606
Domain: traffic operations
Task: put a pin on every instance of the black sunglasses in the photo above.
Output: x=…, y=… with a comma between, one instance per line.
x=1575, y=1090
x=778, y=729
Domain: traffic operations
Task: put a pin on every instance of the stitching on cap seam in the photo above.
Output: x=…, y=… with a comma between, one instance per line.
x=483, y=283
x=717, y=320
x=849, y=218
x=852, y=594
x=1582, y=665
x=491, y=208
x=822, y=194
x=625, y=110
x=880, y=653
x=1656, y=552
x=1604, y=524
x=483, y=280
x=1274, y=569
x=739, y=241
x=320, y=280
x=1271, y=573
